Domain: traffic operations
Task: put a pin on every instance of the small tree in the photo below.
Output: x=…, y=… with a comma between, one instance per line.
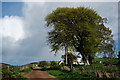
x=70, y=58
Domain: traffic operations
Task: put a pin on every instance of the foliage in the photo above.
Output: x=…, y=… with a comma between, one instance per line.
x=109, y=62
x=106, y=61
x=97, y=67
x=26, y=70
x=55, y=68
x=80, y=29
x=88, y=72
x=54, y=63
x=108, y=50
x=43, y=63
x=10, y=73
x=102, y=67
x=70, y=58
x=85, y=72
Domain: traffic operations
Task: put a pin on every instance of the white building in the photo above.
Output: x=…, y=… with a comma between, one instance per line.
x=77, y=62
x=60, y=62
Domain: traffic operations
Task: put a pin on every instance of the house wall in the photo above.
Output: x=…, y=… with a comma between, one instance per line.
x=78, y=61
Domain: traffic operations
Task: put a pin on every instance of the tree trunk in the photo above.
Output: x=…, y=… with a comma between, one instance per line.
x=85, y=60
x=66, y=51
x=71, y=67
x=90, y=59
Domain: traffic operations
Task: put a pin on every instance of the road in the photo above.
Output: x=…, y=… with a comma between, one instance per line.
x=38, y=74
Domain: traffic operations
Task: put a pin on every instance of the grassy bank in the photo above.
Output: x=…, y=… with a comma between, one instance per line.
x=104, y=70
x=67, y=75
x=28, y=70
x=11, y=73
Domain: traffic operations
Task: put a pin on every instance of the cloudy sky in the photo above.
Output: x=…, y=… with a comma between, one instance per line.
x=23, y=32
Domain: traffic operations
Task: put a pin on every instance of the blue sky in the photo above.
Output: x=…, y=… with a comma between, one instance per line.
x=0, y=9
x=24, y=32
x=12, y=9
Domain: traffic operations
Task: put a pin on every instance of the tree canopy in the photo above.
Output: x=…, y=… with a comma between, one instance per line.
x=80, y=29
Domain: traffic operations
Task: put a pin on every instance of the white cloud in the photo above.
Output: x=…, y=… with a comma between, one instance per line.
x=11, y=32
x=24, y=39
x=12, y=27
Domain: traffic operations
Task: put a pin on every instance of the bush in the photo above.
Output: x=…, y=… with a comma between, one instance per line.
x=55, y=68
x=110, y=62
x=43, y=63
x=54, y=63
x=9, y=72
x=26, y=70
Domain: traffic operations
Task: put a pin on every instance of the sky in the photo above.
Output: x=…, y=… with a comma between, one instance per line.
x=11, y=9
x=24, y=34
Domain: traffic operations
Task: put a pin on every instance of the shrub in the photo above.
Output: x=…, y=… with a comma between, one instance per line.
x=53, y=63
x=55, y=68
x=26, y=70
x=9, y=72
x=43, y=63
x=110, y=62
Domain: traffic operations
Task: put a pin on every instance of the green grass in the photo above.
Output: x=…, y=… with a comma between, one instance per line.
x=89, y=67
x=99, y=67
x=89, y=71
x=21, y=77
x=67, y=75
x=104, y=60
x=28, y=70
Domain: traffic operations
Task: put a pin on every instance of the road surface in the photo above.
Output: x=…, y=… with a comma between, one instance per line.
x=38, y=74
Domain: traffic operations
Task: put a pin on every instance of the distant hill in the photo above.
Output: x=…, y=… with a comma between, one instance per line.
x=4, y=64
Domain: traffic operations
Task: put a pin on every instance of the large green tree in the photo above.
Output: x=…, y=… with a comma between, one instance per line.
x=81, y=29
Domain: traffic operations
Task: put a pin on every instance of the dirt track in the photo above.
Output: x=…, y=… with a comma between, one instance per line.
x=38, y=74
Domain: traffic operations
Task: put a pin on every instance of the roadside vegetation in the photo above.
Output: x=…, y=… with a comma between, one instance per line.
x=95, y=71
x=28, y=70
x=99, y=69
x=11, y=72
